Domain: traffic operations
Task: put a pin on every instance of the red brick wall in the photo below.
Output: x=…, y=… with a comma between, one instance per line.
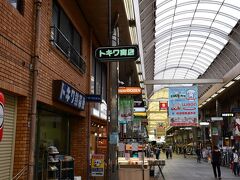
x=78, y=146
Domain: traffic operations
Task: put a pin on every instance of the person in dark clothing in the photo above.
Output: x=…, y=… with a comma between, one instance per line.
x=198, y=152
x=216, y=162
x=158, y=152
x=184, y=151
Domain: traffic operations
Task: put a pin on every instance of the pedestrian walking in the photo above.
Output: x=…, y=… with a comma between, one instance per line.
x=167, y=152
x=170, y=151
x=235, y=163
x=198, y=153
x=157, y=153
x=216, y=162
x=184, y=152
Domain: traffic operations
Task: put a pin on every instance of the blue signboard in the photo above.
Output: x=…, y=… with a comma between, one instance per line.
x=183, y=106
x=93, y=98
x=66, y=94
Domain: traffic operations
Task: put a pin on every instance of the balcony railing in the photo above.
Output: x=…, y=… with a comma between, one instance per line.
x=62, y=43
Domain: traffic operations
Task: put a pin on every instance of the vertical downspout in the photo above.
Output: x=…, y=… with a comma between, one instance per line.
x=31, y=163
x=89, y=106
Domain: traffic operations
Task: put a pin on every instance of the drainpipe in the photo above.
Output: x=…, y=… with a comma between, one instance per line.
x=31, y=163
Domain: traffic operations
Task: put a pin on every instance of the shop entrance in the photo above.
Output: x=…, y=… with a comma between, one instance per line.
x=53, y=130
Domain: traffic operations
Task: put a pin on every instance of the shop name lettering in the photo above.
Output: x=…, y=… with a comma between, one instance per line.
x=178, y=96
x=70, y=96
x=117, y=52
x=189, y=104
x=185, y=113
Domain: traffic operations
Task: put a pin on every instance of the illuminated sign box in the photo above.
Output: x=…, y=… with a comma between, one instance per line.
x=117, y=53
x=227, y=114
x=129, y=90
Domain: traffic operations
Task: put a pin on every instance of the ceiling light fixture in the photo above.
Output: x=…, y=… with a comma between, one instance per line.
x=229, y=84
x=237, y=78
x=221, y=90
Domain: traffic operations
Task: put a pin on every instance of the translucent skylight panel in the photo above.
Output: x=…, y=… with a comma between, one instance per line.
x=180, y=34
x=210, y=15
x=182, y=23
x=211, y=47
x=201, y=22
x=184, y=15
x=220, y=41
x=210, y=53
x=227, y=20
x=194, y=48
x=180, y=39
x=221, y=27
x=165, y=13
x=160, y=21
x=235, y=3
x=185, y=7
x=195, y=42
x=199, y=33
x=208, y=6
x=163, y=29
x=231, y=11
x=197, y=38
x=164, y=6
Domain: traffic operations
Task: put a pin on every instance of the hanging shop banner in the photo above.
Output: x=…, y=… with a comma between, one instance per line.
x=183, y=106
x=117, y=53
x=121, y=147
x=66, y=94
x=125, y=112
x=236, y=131
x=97, y=165
x=2, y=102
x=129, y=90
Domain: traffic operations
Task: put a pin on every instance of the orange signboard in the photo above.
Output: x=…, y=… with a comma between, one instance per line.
x=129, y=90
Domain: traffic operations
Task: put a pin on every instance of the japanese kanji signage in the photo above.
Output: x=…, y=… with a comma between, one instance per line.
x=66, y=94
x=2, y=102
x=117, y=53
x=183, y=106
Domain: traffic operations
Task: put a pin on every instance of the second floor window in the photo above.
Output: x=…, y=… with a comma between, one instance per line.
x=66, y=37
x=18, y=4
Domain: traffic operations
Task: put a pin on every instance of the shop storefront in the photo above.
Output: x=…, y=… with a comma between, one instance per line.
x=53, y=130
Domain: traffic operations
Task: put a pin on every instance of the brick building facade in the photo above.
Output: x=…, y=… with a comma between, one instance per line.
x=16, y=62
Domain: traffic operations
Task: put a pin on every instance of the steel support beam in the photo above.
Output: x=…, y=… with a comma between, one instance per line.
x=184, y=81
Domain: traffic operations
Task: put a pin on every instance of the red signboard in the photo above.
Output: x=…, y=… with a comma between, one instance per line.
x=163, y=105
x=2, y=102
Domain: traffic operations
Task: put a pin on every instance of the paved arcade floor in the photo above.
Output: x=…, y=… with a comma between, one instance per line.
x=180, y=168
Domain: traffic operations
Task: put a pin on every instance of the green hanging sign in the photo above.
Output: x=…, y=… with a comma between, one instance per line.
x=117, y=53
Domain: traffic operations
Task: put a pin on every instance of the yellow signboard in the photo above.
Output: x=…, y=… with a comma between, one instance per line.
x=97, y=165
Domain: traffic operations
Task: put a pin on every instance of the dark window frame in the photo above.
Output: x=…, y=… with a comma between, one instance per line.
x=65, y=41
x=18, y=4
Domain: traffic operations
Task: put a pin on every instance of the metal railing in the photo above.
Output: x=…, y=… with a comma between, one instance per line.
x=62, y=43
x=20, y=173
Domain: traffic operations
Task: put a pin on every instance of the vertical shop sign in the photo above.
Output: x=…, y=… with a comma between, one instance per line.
x=183, y=106
x=2, y=101
x=97, y=165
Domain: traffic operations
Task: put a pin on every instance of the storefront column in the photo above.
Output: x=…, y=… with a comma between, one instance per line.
x=78, y=144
